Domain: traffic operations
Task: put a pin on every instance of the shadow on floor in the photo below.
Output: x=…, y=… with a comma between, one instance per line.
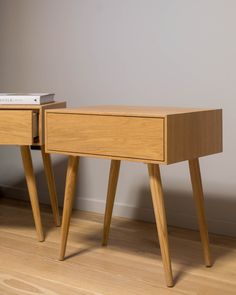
x=134, y=236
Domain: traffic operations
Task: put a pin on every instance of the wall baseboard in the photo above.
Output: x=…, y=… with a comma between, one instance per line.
x=146, y=214
x=180, y=219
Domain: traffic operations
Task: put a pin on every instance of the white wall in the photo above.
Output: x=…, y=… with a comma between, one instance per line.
x=137, y=52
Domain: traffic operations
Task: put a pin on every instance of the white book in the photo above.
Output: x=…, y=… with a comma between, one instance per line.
x=26, y=98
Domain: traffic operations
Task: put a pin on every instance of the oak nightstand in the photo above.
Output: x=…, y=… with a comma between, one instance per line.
x=152, y=135
x=23, y=125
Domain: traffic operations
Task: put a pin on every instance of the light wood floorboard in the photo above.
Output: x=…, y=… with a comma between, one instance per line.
x=131, y=264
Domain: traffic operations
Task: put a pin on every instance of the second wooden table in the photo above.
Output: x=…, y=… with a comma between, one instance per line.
x=23, y=125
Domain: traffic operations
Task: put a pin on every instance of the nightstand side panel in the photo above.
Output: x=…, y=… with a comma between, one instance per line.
x=193, y=135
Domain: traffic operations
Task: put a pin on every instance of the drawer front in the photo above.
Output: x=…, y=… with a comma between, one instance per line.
x=117, y=136
x=16, y=127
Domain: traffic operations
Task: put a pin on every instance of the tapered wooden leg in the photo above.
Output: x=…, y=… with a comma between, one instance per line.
x=51, y=185
x=160, y=214
x=195, y=173
x=68, y=202
x=111, y=192
x=31, y=183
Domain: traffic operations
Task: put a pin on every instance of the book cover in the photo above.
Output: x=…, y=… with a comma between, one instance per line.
x=26, y=98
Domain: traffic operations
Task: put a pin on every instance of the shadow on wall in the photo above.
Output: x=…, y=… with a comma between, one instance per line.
x=19, y=189
x=180, y=210
x=180, y=207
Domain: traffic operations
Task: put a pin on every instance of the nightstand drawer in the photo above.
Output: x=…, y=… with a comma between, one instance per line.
x=115, y=136
x=18, y=127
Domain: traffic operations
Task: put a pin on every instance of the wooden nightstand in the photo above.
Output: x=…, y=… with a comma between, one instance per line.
x=152, y=135
x=23, y=125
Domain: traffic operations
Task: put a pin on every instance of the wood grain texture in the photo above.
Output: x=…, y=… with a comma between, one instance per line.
x=193, y=135
x=111, y=192
x=135, y=133
x=131, y=265
x=68, y=202
x=106, y=135
x=196, y=180
x=31, y=184
x=16, y=127
x=51, y=185
x=160, y=215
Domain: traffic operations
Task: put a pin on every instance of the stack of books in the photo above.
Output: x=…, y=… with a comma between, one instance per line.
x=26, y=98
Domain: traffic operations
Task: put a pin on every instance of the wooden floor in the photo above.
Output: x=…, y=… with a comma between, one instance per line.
x=131, y=264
